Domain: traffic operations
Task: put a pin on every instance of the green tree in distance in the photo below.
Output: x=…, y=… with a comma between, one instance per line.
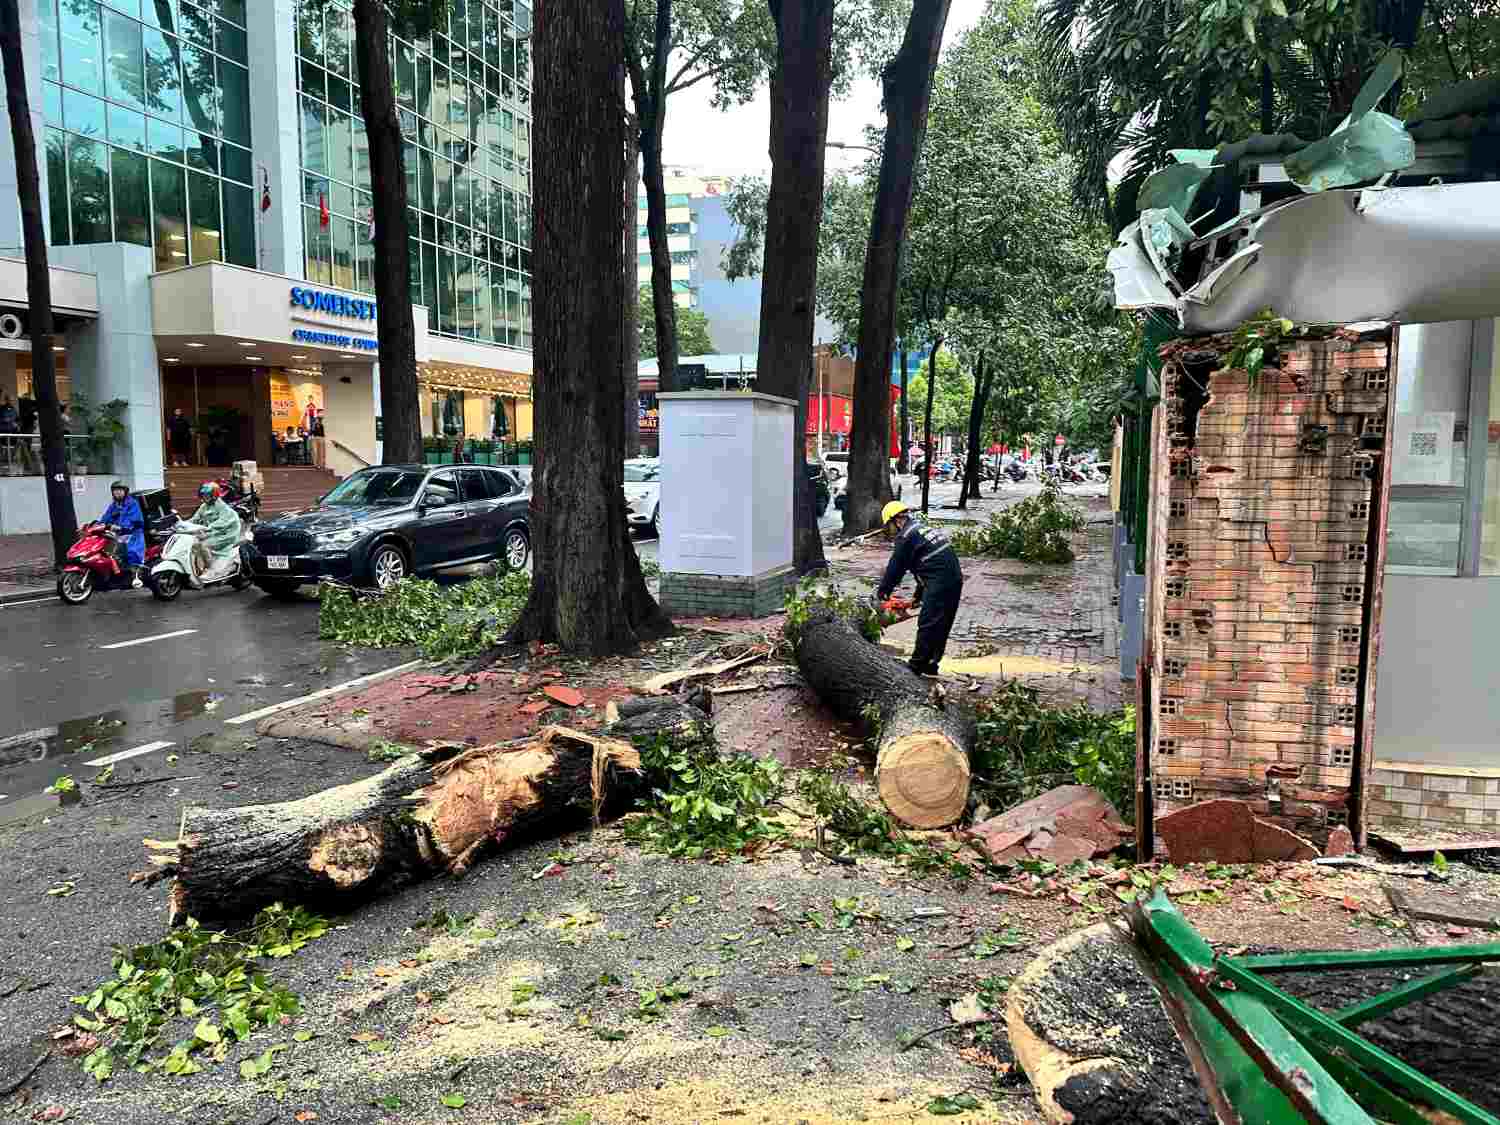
x=692, y=330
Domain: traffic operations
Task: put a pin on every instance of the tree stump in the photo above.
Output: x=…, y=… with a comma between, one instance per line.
x=922, y=765
x=430, y=812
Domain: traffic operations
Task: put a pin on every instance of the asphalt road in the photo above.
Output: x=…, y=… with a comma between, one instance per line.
x=125, y=672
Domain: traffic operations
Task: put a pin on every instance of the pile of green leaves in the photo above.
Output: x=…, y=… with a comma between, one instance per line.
x=813, y=594
x=1026, y=748
x=1256, y=341
x=702, y=803
x=1038, y=530
x=863, y=827
x=209, y=977
x=443, y=621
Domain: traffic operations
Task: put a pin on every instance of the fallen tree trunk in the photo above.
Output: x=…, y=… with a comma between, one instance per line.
x=922, y=768
x=430, y=812
x=651, y=717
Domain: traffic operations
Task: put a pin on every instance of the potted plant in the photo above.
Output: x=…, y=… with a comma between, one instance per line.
x=104, y=428
x=434, y=449
x=523, y=452
x=484, y=453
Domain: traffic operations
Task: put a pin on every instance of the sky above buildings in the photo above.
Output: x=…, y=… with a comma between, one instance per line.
x=733, y=142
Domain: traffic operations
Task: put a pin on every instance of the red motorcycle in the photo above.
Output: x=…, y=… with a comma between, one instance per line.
x=97, y=562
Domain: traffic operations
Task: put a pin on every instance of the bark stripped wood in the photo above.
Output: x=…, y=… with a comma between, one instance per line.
x=922, y=767
x=431, y=812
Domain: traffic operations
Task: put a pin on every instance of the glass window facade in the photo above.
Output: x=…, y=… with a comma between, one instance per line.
x=465, y=104
x=148, y=127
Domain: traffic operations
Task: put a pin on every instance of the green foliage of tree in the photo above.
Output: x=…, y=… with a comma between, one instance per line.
x=1132, y=79
x=692, y=329
x=950, y=401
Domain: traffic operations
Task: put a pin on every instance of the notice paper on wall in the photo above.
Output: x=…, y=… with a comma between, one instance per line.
x=1423, y=448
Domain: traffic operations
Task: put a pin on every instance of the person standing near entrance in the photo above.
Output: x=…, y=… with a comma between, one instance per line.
x=926, y=553
x=180, y=437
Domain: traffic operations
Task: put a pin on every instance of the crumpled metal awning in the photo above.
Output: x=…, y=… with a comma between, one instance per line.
x=1408, y=254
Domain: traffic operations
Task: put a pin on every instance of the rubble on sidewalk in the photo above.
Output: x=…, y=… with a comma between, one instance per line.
x=1068, y=823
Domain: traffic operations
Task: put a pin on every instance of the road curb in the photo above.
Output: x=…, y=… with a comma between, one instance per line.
x=28, y=595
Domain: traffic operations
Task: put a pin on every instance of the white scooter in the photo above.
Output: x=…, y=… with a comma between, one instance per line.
x=179, y=569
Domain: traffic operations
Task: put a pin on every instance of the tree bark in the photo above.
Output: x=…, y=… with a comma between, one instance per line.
x=800, y=83
x=932, y=377
x=587, y=591
x=906, y=82
x=60, y=513
x=650, y=90
x=982, y=384
x=431, y=812
x=399, y=406
x=903, y=458
x=631, y=368
x=922, y=766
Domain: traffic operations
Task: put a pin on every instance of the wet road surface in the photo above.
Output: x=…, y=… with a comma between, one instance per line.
x=126, y=680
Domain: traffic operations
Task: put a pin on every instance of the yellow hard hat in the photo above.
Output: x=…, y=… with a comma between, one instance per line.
x=892, y=510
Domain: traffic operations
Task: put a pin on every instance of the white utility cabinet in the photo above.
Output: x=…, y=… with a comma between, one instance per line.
x=726, y=501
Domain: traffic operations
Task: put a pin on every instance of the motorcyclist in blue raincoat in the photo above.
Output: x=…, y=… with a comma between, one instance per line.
x=125, y=516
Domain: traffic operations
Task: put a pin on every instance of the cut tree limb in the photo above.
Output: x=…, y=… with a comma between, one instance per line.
x=922, y=768
x=430, y=812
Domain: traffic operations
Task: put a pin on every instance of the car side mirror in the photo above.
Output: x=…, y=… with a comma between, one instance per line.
x=432, y=500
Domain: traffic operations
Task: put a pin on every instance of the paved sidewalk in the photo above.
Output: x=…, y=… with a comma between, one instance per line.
x=25, y=566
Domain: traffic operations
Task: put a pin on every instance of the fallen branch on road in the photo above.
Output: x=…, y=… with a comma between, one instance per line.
x=431, y=812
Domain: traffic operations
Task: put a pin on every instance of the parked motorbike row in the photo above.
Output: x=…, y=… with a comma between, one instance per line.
x=174, y=559
x=1068, y=472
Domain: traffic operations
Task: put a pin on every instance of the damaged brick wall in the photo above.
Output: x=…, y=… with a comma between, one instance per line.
x=1260, y=589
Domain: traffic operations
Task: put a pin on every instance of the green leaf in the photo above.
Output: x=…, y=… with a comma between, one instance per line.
x=945, y=1105
x=390, y=1102
x=100, y=1063
x=717, y=1032
x=302, y=1036
x=455, y=1101
x=808, y=960
x=1439, y=862
x=905, y=944
x=206, y=1032
x=482, y=934
x=609, y=1034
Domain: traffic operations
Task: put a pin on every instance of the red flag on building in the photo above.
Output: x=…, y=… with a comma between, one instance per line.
x=322, y=210
x=265, y=191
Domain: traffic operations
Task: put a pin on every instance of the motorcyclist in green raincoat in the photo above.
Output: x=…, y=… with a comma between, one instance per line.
x=223, y=536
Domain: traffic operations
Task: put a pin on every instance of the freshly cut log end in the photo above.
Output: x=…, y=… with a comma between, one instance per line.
x=923, y=779
x=922, y=766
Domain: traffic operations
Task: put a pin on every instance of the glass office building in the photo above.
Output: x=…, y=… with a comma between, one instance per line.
x=205, y=170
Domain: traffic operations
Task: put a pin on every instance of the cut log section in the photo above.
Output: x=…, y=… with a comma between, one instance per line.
x=922, y=767
x=649, y=717
x=430, y=812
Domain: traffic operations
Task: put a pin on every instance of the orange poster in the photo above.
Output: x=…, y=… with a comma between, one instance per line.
x=289, y=401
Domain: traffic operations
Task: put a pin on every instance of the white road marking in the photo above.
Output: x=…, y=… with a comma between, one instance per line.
x=33, y=601
x=148, y=640
x=324, y=694
x=109, y=759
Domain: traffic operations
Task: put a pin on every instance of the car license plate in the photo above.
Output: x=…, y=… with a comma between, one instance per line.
x=277, y=562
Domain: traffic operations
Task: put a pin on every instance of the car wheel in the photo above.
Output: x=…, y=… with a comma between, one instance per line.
x=76, y=586
x=281, y=590
x=516, y=549
x=387, y=566
x=165, y=586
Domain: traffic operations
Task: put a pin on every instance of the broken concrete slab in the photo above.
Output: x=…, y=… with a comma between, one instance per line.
x=1340, y=842
x=1227, y=831
x=1062, y=825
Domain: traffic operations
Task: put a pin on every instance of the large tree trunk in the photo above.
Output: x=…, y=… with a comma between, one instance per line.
x=60, y=512
x=903, y=458
x=650, y=90
x=982, y=383
x=800, y=83
x=587, y=591
x=436, y=811
x=399, y=406
x=631, y=368
x=906, y=83
x=922, y=767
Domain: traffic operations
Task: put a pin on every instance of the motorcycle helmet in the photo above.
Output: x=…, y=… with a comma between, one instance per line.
x=208, y=490
x=119, y=486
